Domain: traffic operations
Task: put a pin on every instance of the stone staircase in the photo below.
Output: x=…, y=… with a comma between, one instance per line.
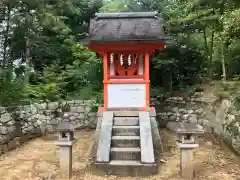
x=125, y=145
x=125, y=156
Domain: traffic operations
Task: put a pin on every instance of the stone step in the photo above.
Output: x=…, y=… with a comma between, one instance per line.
x=127, y=168
x=125, y=121
x=125, y=154
x=125, y=141
x=126, y=131
x=126, y=113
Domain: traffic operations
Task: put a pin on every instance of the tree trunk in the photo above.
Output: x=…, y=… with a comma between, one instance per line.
x=5, y=45
x=28, y=60
x=211, y=56
x=206, y=48
x=223, y=62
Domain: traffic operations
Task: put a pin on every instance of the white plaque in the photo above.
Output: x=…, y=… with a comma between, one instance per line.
x=126, y=95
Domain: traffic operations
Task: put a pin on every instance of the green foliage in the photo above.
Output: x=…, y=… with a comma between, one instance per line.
x=10, y=89
x=42, y=92
x=42, y=35
x=236, y=101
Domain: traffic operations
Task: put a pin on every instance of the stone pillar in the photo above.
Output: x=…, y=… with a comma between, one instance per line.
x=66, y=140
x=187, y=159
x=66, y=160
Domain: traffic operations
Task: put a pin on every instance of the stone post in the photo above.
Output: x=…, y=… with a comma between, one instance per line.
x=66, y=160
x=65, y=142
x=187, y=159
x=186, y=133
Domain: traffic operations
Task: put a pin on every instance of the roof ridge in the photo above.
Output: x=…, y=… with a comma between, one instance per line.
x=126, y=15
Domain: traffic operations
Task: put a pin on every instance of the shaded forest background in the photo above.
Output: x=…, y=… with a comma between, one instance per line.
x=40, y=59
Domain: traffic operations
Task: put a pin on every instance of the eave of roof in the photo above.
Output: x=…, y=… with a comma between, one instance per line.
x=126, y=15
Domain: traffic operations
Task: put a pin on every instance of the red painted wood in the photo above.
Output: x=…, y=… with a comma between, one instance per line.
x=126, y=77
x=105, y=77
x=130, y=47
x=121, y=70
x=123, y=81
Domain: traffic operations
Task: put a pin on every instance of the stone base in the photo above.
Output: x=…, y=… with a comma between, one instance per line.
x=122, y=168
x=155, y=135
x=130, y=163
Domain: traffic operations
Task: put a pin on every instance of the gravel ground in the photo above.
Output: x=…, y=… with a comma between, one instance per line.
x=38, y=160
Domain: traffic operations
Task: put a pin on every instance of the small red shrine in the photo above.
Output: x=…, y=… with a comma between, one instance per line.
x=127, y=139
x=125, y=42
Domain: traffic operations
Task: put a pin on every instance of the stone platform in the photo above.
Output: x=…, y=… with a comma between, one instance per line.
x=126, y=143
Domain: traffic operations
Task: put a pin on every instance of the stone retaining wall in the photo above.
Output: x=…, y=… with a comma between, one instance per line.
x=18, y=124
x=178, y=109
x=214, y=116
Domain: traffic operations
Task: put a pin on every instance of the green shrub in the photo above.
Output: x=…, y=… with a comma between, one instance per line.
x=43, y=92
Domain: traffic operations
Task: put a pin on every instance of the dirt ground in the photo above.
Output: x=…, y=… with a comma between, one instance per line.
x=38, y=160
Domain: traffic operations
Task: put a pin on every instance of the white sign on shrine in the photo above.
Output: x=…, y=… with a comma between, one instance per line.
x=126, y=95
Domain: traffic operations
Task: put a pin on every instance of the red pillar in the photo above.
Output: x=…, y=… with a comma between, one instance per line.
x=105, y=79
x=146, y=78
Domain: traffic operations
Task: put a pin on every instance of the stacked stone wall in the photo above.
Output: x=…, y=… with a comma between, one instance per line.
x=20, y=123
x=215, y=116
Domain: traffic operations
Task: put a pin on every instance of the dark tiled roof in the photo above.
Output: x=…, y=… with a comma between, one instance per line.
x=126, y=15
x=125, y=27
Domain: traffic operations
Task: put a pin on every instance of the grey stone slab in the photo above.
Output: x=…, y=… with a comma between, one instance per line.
x=126, y=113
x=126, y=131
x=187, y=163
x=125, y=141
x=133, y=153
x=96, y=137
x=146, y=140
x=65, y=126
x=157, y=142
x=185, y=128
x=66, y=161
x=127, y=168
x=103, y=151
x=126, y=121
x=188, y=146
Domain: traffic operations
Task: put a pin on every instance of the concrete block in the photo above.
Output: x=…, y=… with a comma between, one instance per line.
x=188, y=146
x=126, y=121
x=157, y=142
x=126, y=113
x=103, y=151
x=146, y=140
x=96, y=138
x=125, y=141
x=66, y=161
x=126, y=131
x=187, y=163
x=127, y=168
x=125, y=154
